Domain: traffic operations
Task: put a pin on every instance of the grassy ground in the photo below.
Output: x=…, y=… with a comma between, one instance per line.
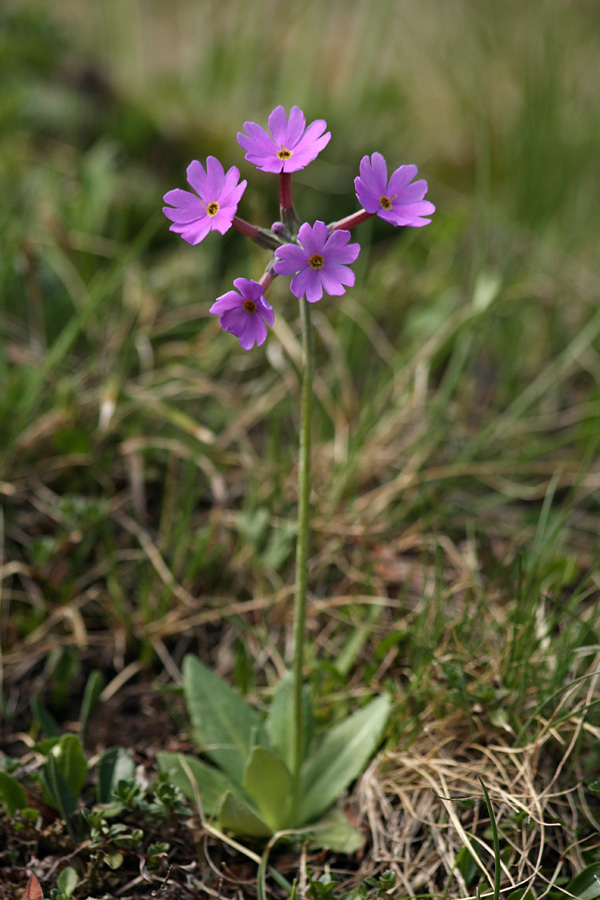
x=147, y=464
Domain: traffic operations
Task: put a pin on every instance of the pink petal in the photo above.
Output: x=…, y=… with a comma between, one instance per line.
x=296, y=126
x=224, y=303
x=184, y=216
x=181, y=198
x=278, y=126
x=289, y=259
x=255, y=331
x=401, y=177
x=312, y=136
x=314, y=286
x=367, y=197
x=196, y=176
x=221, y=223
x=193, y=234
x=215, y=176
x=230, y=182
x=412, y=192
x=334, y=277
x=343, y=255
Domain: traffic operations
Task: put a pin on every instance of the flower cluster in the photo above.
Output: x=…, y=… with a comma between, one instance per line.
x=317, y=256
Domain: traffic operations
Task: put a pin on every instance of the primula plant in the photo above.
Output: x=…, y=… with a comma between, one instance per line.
x=276, y=776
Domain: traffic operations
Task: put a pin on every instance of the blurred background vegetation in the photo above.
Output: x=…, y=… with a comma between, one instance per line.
x=147, y=464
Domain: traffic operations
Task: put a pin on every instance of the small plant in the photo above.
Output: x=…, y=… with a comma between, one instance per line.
x=277, y=776
x=373, y=888
x=121, y=819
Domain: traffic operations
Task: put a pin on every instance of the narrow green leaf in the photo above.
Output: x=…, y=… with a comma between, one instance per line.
x=340, y=757
x=521, y=894
x=195, y=779
x=225, y=726
x=58, y=793
x=496, y=839
x=586, y=884
x=71, y=762
x=91, y=694
x=114, y=765
x=334, y=832
x=44, y=718
x=12, y=795
x=45, y=746
x=235, y=815
x=269, y=784
x=280, y=720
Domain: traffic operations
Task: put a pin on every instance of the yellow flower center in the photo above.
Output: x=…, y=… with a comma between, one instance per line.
x=284, y=153
x=212, y=209
x=316, y=261
x=249, y=306
x=385, y=202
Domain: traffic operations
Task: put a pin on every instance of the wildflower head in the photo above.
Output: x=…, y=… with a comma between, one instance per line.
x=211, y=208
x=291, y=145
x=244, y=312
x=319, y=264
x=397, y=201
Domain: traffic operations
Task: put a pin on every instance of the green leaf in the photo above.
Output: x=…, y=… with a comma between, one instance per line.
x=91, y=694
x=269, y=783
x=235, y=815
x=44, y=718
x=113, y=860
x=195, y=779
x=71, y=762
x=334, y=832
x=114, y=765
x=340, y=757
x=67, y=881
x=586, y=885
x=521, y=894
x=58, y=793
x=280, y=720
x=594, y=786
x=225, y=727
x=44, y=747
x=12, y=795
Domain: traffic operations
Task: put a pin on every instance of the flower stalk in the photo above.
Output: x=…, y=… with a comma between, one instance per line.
x=302, y=539
x=261, y=236
x=351, y=221
x=286, y=203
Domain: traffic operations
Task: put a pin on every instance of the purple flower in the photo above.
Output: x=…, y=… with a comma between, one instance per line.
x=292, y=146
x=244, y=312
x=396, y=201
x=213, y=210
x=319, y=264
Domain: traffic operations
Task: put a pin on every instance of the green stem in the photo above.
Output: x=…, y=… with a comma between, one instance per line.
x=302, y=537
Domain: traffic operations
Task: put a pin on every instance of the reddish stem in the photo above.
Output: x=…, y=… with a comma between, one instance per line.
x=266, y=279
x=246, y=228
x=352, y=221
x=286, y=200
